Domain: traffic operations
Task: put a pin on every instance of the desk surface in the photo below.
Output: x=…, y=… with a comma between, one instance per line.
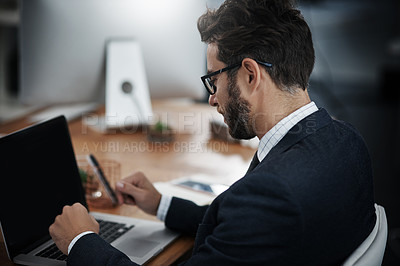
x=192, y=152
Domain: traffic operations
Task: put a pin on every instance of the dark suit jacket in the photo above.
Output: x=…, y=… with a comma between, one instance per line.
x=309, y=202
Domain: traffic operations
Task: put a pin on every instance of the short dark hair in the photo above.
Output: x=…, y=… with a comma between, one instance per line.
x=272, y=31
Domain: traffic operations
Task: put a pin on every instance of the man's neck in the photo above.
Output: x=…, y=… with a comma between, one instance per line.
x=276, y=109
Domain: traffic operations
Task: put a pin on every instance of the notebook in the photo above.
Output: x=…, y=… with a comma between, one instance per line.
x=39, y=176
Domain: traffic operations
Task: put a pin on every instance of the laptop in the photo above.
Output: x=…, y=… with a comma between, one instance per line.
x=40, y=176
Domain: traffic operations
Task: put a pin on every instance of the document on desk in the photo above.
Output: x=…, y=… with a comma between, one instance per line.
x=199, y=189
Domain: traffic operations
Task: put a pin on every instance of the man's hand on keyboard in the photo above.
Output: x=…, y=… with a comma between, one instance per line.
x=74, y=220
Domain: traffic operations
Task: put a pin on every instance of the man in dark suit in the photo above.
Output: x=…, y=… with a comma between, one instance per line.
x=307, y=198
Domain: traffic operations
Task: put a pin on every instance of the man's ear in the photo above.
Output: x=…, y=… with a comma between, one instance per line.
x=252, y=73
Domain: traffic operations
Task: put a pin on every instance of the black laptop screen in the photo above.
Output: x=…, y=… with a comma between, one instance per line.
x=39, y=176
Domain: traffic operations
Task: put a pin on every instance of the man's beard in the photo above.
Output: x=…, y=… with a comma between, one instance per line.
x=237, y=114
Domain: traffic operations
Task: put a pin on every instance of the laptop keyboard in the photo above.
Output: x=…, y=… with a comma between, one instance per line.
x=52, y=252
x=109, y=231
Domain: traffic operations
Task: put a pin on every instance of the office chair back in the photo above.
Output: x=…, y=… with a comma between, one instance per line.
x=370, y=252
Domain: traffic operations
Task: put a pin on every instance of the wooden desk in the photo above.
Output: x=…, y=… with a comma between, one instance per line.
x=191, y=152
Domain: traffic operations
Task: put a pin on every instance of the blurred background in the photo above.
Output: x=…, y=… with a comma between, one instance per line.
x=357, y=44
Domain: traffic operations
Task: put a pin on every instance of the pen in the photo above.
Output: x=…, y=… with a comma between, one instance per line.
x=99, y=172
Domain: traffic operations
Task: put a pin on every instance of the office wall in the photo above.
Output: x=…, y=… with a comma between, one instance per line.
x=8, y=48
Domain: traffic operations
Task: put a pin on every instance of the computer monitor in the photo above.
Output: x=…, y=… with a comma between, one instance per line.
x=63, y=47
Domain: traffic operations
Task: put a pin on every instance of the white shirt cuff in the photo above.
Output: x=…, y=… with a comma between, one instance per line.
x=163, y=208
x=77, y=238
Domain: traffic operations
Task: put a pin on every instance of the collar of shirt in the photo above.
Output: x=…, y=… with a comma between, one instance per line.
x=275, y=134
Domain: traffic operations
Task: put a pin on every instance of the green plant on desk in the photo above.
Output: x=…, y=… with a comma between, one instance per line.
x=160, y=127
x=90, y=184
x=160, y=132
x=84, y=176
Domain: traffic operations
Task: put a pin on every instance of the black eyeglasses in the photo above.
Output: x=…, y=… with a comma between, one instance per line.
x=209, y=84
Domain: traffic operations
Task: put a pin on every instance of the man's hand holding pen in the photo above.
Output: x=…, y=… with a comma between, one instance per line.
x=137, y=190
